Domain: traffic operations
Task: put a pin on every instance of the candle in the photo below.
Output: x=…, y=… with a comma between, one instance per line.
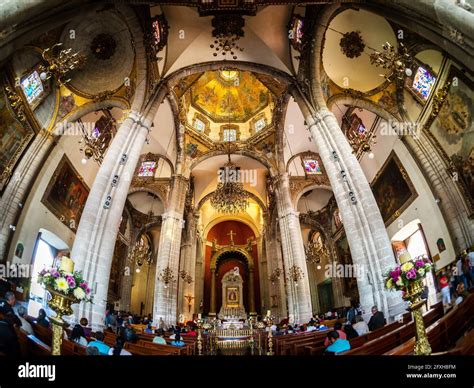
x=67, y=265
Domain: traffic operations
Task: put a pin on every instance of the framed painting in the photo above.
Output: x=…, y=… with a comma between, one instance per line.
x=66, y=194
x=15, y=130
x=452, y=132
x=393, y=189
x=232, y=295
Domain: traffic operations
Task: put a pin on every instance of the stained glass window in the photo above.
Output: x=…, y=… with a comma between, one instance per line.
x=423, y=82
x=199, y=125
x=260, y=124
x=311, y=166
x=32, y=88
x=147, y=168
x=156, y=27
x=229, y=134
x=362, y=130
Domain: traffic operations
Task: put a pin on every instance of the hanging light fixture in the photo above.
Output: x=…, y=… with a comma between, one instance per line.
x=185, y=276
x=59, y=64
x=397, y=61
x=230, y=196
x=316, y=252
x=228, y=29
x=275, y=275
x=295, y=274
x=167, y=276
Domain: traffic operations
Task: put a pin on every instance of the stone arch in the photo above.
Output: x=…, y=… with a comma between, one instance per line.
x=218, y=220
x=231, y=249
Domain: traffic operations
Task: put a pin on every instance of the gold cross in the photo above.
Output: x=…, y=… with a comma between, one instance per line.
x=231, y=234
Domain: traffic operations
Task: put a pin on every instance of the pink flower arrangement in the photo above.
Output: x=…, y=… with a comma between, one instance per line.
x=70, y=284
x=407, y=273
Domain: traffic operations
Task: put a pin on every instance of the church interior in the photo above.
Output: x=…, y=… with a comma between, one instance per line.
x=236, y=177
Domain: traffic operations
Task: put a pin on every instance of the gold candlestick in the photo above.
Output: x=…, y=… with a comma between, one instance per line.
x=61, y=305
x=413, y=296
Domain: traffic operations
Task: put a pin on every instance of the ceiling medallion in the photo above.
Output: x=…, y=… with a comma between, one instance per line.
x=352, y=44
x=228, y=29
x=103, y=46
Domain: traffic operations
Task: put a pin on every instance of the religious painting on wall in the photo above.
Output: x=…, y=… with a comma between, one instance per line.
x=453, y=130
x=15, y=135
x=344, y=257
x=66, y=194
x=393, y=189
x=232, y=295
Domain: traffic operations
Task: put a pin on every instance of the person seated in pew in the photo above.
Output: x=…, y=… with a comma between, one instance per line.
x=92, y=351
x=118, y=349
x=87, y=330
x=129, y=334
x=177, y=340
x=338, y=329
x=6, y=305
x=377, y=320
x=99, y=344
x=9, y=344
x=77, y=335
x=160, y=337
x=350, y=331
x=25, y=325
x=148, y=329
x=461, y=293
x=41, y=320
x=337, y=344
x=359, y=325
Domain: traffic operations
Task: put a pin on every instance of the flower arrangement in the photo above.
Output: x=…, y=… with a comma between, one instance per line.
x=67, y=283
x=406, y=274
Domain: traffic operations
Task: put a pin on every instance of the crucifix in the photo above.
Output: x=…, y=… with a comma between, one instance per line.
x=189, y=298
x=231, y=234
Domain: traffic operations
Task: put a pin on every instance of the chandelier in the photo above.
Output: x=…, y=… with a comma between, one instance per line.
x=167, y=276
x=60, y=64
x=397, y=61
x=141, y=253
x=95, y=143
x=275, y=275
x=316, y=252
x=185, y=276
x=230, y=196
x=227, y=31
x=295, y=274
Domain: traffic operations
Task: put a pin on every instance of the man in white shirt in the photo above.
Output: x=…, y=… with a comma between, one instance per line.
x=360, y=326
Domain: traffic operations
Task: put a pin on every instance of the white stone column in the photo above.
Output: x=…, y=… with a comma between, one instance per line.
x=97, y=232
x=370, y=246
x=188, y=260
x=298, y=294
x=17, y=189
x=165, y=305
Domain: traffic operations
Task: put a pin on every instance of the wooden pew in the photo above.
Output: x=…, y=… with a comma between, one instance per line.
x=185, y=350
x=70, y=348
x=149, y=351
x=385, y=343
x=444, y=333
x=45, y=334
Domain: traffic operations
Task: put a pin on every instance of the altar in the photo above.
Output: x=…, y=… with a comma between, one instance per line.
x=232, y=309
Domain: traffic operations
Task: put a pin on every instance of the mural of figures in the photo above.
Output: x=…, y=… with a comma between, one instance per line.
x=454, y=131
x=393, y=189
x=66, y=194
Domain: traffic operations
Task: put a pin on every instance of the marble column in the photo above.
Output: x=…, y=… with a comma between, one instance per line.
x=166, y=303
x=251, y=292
x=188, y=260
x=298, y=293
x=213, y=292
x=97, y=231
x=369, y=244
